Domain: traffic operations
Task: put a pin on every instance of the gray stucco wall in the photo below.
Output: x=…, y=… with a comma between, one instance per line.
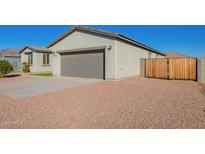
x=201, y=69
x=127, y=59
x=39, y=67
x=24, y=57
x=142, y=67
x=80, y=39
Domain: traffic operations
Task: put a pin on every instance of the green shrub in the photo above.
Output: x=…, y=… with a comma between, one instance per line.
x=5, y=68
x=25, y=68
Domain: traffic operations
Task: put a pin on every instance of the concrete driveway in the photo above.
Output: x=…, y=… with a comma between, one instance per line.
x=32, y=86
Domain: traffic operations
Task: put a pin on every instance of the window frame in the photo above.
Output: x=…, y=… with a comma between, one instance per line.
x=46, y=59
x=30, y=59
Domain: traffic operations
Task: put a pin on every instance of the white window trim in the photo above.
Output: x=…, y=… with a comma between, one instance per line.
x=46, y=59
x=29, y=59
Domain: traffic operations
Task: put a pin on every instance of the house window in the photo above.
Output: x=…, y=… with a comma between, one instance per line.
x=30, y=59
x=46, y=59
x=149, y=55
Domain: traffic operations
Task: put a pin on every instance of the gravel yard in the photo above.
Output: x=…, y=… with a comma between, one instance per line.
x=128, y=103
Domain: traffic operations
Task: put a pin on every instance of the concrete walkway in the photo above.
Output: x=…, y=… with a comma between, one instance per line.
x=39, y=85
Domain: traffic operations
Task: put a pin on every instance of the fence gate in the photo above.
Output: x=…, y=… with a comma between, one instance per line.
x=171, y=68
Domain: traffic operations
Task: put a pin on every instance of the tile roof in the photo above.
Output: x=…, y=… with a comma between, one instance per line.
x=174, y=55
x=36, y=48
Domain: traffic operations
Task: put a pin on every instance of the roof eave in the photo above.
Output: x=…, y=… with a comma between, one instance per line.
x=82, y=29
x=61, y=37
x=12, y=56
x=23, y=49
x=41, y=51
x=34, y=50
x=139, y=44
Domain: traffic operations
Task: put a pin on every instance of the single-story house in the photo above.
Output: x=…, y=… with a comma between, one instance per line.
x=91, y=53
x=12, y=56
x=39, y=58
x=88, y=52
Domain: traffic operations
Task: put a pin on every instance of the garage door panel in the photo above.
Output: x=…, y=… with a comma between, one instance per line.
x=84, y=64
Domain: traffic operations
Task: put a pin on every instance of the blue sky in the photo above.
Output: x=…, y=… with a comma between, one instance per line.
x=189, y=40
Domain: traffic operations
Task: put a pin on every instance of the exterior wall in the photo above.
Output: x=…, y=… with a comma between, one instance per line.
x=24, y=57
x=80, y=39
x=201, y=70
x=127, y=61
x=142, y=67
x=37, y=65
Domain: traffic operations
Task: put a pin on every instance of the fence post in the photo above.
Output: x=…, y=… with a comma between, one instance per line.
x=167, y=68
x=201, y=70
x=142, y=67
x=197, y=61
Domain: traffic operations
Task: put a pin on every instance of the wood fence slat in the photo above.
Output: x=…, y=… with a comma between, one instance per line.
x=172, y=68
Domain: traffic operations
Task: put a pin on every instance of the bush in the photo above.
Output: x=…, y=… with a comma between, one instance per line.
x=5, y=68
x=25, y=67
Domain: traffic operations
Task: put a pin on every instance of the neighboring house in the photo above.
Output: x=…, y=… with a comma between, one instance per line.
x=174, y=55
x=92, y=53
x=12, y=56
x=39, y=58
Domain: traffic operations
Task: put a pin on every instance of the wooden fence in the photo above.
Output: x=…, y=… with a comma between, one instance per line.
x=171, y=68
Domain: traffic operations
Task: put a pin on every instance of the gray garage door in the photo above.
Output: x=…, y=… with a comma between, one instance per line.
x=87, y=64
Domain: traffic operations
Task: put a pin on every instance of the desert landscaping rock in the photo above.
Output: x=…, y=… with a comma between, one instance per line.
x=128, y=103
